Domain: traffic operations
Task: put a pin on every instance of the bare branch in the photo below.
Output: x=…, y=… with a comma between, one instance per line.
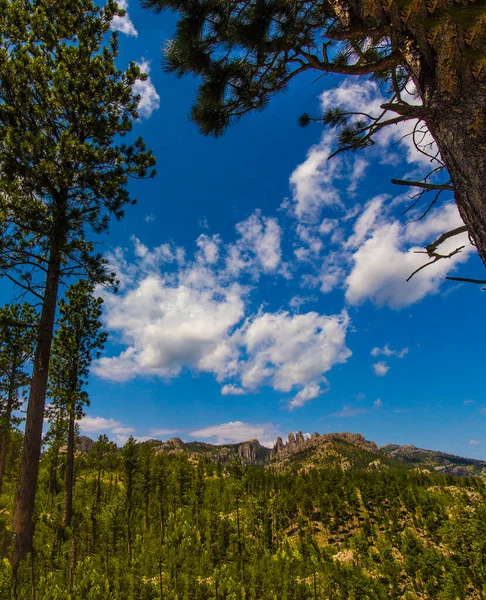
x=422, y=184
x=431, y=248
x=467, y=280
x=437, y=257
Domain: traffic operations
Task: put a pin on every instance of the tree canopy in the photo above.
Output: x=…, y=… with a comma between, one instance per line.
x=246, y=52
x=65, y=109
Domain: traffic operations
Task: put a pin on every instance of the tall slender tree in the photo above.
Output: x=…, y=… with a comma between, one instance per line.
x=64, y=109
x=246, y=51
x=17, y=339
x=131, y=464
x=78, y=340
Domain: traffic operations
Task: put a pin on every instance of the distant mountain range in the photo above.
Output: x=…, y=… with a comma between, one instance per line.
x=347, y=450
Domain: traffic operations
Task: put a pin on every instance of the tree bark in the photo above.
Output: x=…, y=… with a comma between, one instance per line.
x=52, y=490
x=460, y=133
x=69, y=475
x=8, y=416
x=452, y=86
x=23, y=523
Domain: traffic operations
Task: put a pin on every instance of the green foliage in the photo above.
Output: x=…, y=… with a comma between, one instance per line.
x=242, y=50
x=245, y=52
x=17, y=339
x=78, y=340
x=64, y=109
x=151, y=525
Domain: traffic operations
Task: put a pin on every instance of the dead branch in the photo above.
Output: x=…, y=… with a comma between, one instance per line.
x=467, y=280
x=423, y=184
x=431, y=248
x=436, y=257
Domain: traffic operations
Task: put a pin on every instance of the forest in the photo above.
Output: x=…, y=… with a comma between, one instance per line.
x=150, y=525
x=132, y=521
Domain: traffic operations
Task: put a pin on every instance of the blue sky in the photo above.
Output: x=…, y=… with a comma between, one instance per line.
x=263, y=287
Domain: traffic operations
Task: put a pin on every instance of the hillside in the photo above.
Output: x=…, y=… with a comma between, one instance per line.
x=250, y=452
x=344, y=450
x=438, y=461
x=330, y=517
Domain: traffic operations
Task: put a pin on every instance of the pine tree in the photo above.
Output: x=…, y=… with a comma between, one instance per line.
x=246, y=52
x=78, y=340
x=131, y=464
x=64, y=109
x=17, y=339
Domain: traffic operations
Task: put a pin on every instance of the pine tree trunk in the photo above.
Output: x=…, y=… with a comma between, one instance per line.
x=69, y=475
x=52, y=490
x=460, y=133
x=23, y=523
x=453, y=92
x=7, y=425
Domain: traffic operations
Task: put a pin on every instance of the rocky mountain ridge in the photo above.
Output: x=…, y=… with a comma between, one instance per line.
x=250, y=452
x=346, y=450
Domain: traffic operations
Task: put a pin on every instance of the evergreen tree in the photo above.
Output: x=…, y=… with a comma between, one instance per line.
x=64, y=109
x=78, y=340
x=17, y=339
x=131, y=463
x=247, y=51
x=335, y=554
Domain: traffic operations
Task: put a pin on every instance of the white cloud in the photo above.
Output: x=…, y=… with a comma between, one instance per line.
x=208, y=248
x=116, y=429
x=168, y=327
x=94, y=424
x=123, y=24
x=327, y=226
x=474, y=442
x=296, y=302
x=147, y=261
x=359, y=169
x=355, y=96
x=310, y=236
x=232, y=390
x=149, y=218
x=292, y=351
x=257, y=248
x=237, y=431
x=381, y=368
x=382, y=264
x=468, y=402
x=366, y=222
x=175, y=314
x=387, y=351
x=365, y=97
x=313, y=181
x=309, y=392
x=377, y=403
x=149, y=98
x=375, y=260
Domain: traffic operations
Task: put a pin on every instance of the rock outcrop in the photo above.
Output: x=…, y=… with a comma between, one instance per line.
x=343, y=450
x=295, y=443
x=298, y=443
x=84, y=443
x=251, y=452
x=175, y=442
